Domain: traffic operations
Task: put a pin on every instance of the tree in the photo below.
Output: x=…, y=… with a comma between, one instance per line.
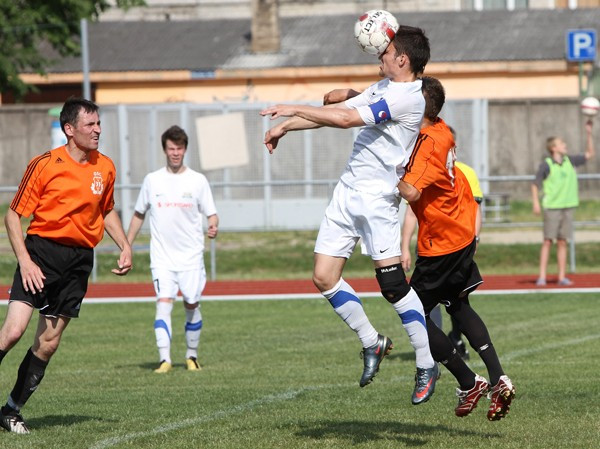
x=25, y=25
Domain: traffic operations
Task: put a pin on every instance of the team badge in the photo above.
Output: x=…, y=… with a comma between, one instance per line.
x=97, y=183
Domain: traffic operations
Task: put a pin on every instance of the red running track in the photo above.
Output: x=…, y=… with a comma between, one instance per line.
x=300, y=286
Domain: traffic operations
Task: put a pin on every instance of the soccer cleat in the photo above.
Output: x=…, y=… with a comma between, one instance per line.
x=372, y=357
x=425, y=380
x=501, y=395
x=163, y=368
x=192, y=364
x=460, y=346
x=13, y=423
x=467, y=400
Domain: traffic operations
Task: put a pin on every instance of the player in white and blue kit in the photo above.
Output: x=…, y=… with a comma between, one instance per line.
x=177, y=198
x=365, y=202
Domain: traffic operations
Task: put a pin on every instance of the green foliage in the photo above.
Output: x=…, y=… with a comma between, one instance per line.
x=28, y=25
x=284, y=374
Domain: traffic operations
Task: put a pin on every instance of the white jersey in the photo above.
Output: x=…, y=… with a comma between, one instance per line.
x=392, y=113
x=176, y=202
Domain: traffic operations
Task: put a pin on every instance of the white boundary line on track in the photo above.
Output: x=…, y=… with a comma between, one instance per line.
x=278, y=296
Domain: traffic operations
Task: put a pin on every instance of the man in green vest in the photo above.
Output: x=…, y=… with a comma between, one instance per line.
x=557, y=179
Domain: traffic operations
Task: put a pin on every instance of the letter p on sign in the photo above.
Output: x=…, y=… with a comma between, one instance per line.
x=581, y=45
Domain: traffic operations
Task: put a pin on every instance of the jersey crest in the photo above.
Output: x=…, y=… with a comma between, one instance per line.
x=97, y=183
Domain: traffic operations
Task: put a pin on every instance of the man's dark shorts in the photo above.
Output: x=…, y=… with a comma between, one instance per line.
x=445, y=279
x=67, y=270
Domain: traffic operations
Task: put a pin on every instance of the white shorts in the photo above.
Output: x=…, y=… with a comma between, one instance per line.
x=168, y=283
x=352, y=215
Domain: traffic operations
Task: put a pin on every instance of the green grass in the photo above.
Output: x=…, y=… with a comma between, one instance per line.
x=284, y=374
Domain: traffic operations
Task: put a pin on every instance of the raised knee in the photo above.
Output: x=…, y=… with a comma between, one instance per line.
x=392, y=282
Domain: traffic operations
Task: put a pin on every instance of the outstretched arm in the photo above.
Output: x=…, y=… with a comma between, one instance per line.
x=339, y=95
x=335, y=116
x=295, y=123
x=273, y=135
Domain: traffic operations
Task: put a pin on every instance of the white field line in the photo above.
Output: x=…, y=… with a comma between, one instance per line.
x=277, y=296
x=219, y=414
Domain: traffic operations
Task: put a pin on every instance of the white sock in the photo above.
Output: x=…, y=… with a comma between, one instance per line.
x=162, y=330
x=193, y=326
x=347, y=305
x=410, y=310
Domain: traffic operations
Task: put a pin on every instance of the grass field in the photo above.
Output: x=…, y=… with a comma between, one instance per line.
x=284, y=374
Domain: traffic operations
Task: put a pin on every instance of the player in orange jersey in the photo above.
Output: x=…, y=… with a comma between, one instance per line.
x=69, y=192
x=442, y=200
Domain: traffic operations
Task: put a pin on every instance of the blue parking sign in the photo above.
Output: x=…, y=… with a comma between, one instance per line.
x=581, y=45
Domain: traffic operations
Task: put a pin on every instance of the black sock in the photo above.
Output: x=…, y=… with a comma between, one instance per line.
x=443, y=351
x=492, y=363
x=30, y=374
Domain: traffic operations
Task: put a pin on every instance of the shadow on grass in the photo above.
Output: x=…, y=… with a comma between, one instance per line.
x=61, y=421
x=406, y=356
x=357, y=432
x=151, y=366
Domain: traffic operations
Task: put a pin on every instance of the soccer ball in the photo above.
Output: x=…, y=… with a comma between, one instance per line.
x=374, y=31
x=590, y=106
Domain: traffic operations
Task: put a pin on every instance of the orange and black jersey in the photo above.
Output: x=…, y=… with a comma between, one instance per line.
x=446, y=210
x=68, y=200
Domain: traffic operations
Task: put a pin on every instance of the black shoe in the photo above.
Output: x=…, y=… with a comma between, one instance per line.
x=425, y=380
x=460, y=346
x=372, y=357
x=13, y=423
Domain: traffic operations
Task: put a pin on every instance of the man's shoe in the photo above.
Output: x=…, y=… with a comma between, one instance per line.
x=372, y=357
x=192, y=364
x=13, y=423
x=425, y=384
x=163, y=368
x=565, y=282
x=467, y=400
x=501, y=395
x=460, y=347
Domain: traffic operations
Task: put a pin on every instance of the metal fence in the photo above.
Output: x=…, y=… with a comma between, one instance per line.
x=287, y=190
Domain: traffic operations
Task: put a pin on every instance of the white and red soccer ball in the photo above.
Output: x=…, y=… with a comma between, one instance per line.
x=590, y=106
x=374, y=31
